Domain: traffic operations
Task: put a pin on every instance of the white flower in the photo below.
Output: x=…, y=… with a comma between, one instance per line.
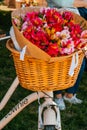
x=65, y=34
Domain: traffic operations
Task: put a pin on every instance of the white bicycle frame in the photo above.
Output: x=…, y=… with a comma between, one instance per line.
x=51, y=117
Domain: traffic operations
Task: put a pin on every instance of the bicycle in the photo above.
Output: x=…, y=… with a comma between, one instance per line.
x=49, y=108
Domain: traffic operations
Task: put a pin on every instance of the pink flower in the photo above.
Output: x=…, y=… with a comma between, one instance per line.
x=84, y=34
x=24, y=26
x=65, y=34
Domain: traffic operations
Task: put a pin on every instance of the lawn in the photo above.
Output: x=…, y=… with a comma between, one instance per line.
x=73, y=118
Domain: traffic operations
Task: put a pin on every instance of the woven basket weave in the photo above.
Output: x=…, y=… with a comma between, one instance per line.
x=38, y=75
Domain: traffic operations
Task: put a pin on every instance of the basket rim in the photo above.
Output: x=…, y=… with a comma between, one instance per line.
x=29, y=63
x=11, y=47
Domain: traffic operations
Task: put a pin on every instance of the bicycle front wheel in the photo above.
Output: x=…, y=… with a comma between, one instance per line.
x=50, y=127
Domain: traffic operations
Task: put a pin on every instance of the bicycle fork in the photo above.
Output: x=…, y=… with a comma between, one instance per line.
x=49, y=114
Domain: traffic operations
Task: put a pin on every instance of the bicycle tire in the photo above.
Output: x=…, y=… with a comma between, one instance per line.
x=49, y=127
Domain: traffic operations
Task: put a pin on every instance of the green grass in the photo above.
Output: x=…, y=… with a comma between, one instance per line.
x=73, y=118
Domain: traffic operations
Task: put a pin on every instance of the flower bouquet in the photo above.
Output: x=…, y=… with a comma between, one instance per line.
x=54, y=42
x=53, y=32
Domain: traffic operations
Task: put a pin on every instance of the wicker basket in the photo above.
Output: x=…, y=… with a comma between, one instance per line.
x=38, y=75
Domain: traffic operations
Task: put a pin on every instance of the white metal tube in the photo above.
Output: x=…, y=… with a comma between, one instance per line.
x=19, y=107
x=4, y=38
x=58, y=119
x=9, y=93
x=48, y=94
x=51, y=113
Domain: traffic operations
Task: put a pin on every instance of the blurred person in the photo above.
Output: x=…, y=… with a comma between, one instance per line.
x=70, y=93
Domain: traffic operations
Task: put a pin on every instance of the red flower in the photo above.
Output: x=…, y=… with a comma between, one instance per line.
x=67, y=15
x=37, y=22
x=29, y=16
x=53, y=50
x=75, y=31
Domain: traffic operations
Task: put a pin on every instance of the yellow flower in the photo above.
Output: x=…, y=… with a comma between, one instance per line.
x=52, y=31
x=52, y=37
x=47, y=31
x=59, y=42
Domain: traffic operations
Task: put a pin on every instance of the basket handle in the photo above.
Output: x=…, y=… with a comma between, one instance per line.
x=22, y=53
x=74, y=63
